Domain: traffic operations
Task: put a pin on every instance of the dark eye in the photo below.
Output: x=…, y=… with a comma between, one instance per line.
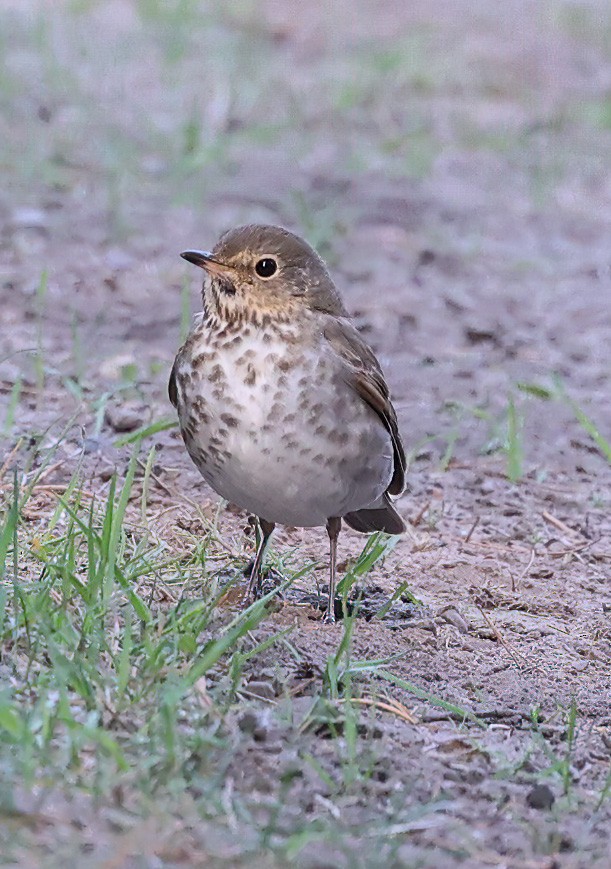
x=266, y=267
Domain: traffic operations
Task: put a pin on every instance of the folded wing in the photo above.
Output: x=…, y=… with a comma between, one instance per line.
x=363, y=373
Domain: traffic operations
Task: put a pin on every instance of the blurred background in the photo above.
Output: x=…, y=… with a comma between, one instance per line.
x=450, y=159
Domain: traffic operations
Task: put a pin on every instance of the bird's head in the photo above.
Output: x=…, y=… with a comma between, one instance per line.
x=257, y=273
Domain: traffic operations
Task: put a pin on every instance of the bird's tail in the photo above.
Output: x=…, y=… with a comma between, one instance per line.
x=383, y=518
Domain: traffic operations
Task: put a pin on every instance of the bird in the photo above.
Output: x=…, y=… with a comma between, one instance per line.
x=282, y=405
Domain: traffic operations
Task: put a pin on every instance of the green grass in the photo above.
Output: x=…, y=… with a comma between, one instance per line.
x=504, y=433
x=88, y=634
x=551, y=759
x=377, y=547
x=557, y=392
x=108, y=686
x=11, y=408
x=505, y=430
x=513, y=446
x=39, y=357
x=126, y=673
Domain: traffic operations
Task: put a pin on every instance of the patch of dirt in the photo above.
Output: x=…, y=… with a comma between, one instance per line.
x=490, y=270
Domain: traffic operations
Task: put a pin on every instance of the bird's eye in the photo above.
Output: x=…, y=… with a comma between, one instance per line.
x=266, y=267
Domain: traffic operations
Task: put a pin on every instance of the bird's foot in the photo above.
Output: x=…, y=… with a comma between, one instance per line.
x=329, y=615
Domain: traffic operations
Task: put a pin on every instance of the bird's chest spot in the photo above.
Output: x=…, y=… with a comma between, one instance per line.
x=240, y=386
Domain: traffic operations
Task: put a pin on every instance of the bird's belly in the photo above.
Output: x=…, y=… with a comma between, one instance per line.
x=294, y=446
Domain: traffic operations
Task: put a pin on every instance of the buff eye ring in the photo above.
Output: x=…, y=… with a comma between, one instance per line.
x=266, y=267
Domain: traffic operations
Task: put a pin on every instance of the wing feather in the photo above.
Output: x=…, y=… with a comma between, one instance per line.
x=364, y=374
x=172, y=385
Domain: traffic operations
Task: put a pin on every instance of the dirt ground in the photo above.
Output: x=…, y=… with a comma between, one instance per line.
x=451, y=160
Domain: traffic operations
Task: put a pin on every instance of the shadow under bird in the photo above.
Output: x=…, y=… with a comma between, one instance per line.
x=282, y=406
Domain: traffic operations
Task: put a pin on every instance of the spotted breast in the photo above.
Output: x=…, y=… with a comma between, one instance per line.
x=258, y=413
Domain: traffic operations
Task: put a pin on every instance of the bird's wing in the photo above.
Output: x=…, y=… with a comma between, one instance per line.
x=363, y=373
x=172, y=387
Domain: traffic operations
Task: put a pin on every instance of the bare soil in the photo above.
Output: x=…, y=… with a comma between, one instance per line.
x=477, y=272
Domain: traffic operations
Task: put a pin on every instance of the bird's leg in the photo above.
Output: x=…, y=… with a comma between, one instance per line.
x=254, y=586
x=333, y=526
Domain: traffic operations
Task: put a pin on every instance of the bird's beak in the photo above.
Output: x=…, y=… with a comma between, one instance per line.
x=205, y=260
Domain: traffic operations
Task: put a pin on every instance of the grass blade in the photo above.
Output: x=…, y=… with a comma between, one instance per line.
x=431, y=698
x=378, y=546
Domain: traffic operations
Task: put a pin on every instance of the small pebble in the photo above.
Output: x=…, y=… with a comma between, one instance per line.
x=106, y=471
x=454, y=618
x=126, y=417
x=540, y=797
x=254, y=725
x=248, y=721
